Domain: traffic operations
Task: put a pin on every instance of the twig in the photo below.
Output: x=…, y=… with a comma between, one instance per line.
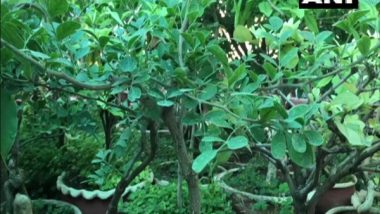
x=86, y=97
x=131, y=174
x=275, y=8
x=336, y=71
x=222, y=108
x=60, y=75
x=331, y=90
x=180, y=40
x=344, y=168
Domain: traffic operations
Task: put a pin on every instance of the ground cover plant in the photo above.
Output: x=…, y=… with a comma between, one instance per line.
x=218, y=81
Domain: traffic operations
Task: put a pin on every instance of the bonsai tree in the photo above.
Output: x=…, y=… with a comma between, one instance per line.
x=328, y=77
x=211, y=68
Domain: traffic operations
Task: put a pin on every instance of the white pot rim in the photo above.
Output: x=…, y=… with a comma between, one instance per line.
x=347, y=184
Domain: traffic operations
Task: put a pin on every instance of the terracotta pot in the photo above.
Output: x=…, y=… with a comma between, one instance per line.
x=339, y=195
x=92, y=201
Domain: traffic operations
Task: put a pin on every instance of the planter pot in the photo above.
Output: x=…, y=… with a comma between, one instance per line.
x=92, y=201
x=50, y=206
x=339, y=195
x=219, y=180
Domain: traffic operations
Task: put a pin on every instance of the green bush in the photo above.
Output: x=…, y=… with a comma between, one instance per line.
x=163, y=199
x=253, y=179
x=41, y=207
x=39, y=170
x=75, y=158
x=43, y=162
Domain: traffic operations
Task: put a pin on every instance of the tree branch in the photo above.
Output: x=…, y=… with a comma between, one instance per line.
x=131, y=174
x=361, y=59
x=343, y=169
x=60, y=75
x=182, y=30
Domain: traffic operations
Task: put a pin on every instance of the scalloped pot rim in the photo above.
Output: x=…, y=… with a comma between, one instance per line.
x=91, y=194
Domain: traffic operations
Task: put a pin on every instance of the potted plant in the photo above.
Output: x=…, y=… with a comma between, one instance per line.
x=338, y=195
x=100, y=185
x=256, y=192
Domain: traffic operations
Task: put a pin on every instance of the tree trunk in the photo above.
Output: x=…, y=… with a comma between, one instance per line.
x=300, y=207
x=184, y=160
x=108, y=121
x=133, y=173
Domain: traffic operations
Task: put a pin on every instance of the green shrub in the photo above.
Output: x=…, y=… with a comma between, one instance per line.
x=40, y=173
x=43, y=162
x=41, y=207
x=163, y=199
x=253, y=179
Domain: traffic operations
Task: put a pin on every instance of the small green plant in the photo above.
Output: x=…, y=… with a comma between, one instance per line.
x=162, y=199
x=252, y=179
x=260, y=206
x=42, y=164
x=111, y=169
x=41, y=207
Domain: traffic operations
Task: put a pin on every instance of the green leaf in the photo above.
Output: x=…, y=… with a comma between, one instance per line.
x=305, y=159
x=174, y=93
x=265, y=8
x=11, y=33
x=116, y=17
x=347, y=100
x=299, y=111
x=288, y=59
x=280, y=109
x=313, y=138
x=208, y=93
x=205, y=146
x=237, y=75
x=81, y=52
x=191, y=118
x=156, y=94
x=237, y=142
x=219, y=53
x=128, y=64
x=134, y=94
x=242, y=34
x=276, y=22
x=364, y=45
x=322, y=36
x=251, y=87
x=203, y=159
x=39, y=55
x=165, y=103
x=27, y=70
x=293, y=124
x=270, y=69
x=311, y=22
x=353, y=129
x=303, y=112
x=220, y=122
x=57, y=7
x=115, y=90
x=103, y=40
x=66, y=29
x=285, y=34
x=278, y=146
x=212, y=139
x=8, y=122
x=323, y=82
x=298, y=142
